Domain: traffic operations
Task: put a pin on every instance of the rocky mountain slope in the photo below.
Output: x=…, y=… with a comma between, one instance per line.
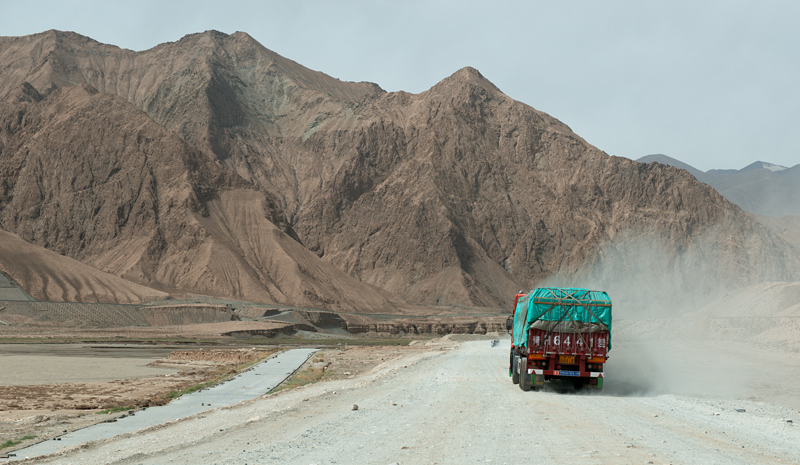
x=89, y=176
x=214, y=165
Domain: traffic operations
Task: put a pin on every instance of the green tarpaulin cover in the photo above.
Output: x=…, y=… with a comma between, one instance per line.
x=565, y=310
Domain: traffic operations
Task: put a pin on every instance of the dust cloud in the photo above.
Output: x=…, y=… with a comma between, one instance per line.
x=689, y=322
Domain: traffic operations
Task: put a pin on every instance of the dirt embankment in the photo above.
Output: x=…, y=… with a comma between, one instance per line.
x=436, y=328
x=214, y=357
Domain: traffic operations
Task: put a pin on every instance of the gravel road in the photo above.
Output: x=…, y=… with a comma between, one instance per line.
x=454, y=404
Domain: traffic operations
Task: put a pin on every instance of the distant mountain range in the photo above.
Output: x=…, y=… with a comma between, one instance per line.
x=762, y=188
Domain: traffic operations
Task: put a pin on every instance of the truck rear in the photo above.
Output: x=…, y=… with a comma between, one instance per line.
x=559, y=333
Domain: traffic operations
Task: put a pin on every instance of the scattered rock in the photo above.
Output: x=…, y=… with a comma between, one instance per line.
x=355, y=407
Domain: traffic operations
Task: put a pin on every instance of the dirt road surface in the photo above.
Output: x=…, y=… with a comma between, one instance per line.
x=454, y=404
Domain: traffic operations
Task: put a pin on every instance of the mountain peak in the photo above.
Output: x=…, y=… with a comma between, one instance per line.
x=211, y=36
x=468, y=72
x=763, y=165
x=468, y=76
x=66, y=37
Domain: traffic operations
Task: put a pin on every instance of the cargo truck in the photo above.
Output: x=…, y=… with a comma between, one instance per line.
x=559, y=333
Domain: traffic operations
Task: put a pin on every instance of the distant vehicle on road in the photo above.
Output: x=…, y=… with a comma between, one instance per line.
x=559, y=333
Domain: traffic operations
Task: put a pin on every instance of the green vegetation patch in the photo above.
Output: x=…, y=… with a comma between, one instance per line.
x=14, y=442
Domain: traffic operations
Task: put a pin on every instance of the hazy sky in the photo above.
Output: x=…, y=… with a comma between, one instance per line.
x=711, y=83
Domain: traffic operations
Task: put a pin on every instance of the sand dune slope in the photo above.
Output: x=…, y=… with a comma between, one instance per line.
x=46, y=275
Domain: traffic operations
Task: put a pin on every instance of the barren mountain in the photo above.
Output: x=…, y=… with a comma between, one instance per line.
x=89, y=176
x=458, y=195
x=761, y=188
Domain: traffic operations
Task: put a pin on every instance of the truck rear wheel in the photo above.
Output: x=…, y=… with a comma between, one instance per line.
x=524, y=378
x=515, y=369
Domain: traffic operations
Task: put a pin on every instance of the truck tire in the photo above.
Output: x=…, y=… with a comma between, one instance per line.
x=515, y=369
x=524, y=378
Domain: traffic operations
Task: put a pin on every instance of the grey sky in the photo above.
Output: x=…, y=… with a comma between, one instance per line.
x=711, y=83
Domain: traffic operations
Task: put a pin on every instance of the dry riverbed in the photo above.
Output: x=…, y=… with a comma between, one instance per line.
x=104, y=383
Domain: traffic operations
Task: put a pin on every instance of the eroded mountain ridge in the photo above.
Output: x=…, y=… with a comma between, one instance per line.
x=213, y=165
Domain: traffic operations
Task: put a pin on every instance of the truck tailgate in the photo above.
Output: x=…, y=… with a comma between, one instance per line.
x=589, y=344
